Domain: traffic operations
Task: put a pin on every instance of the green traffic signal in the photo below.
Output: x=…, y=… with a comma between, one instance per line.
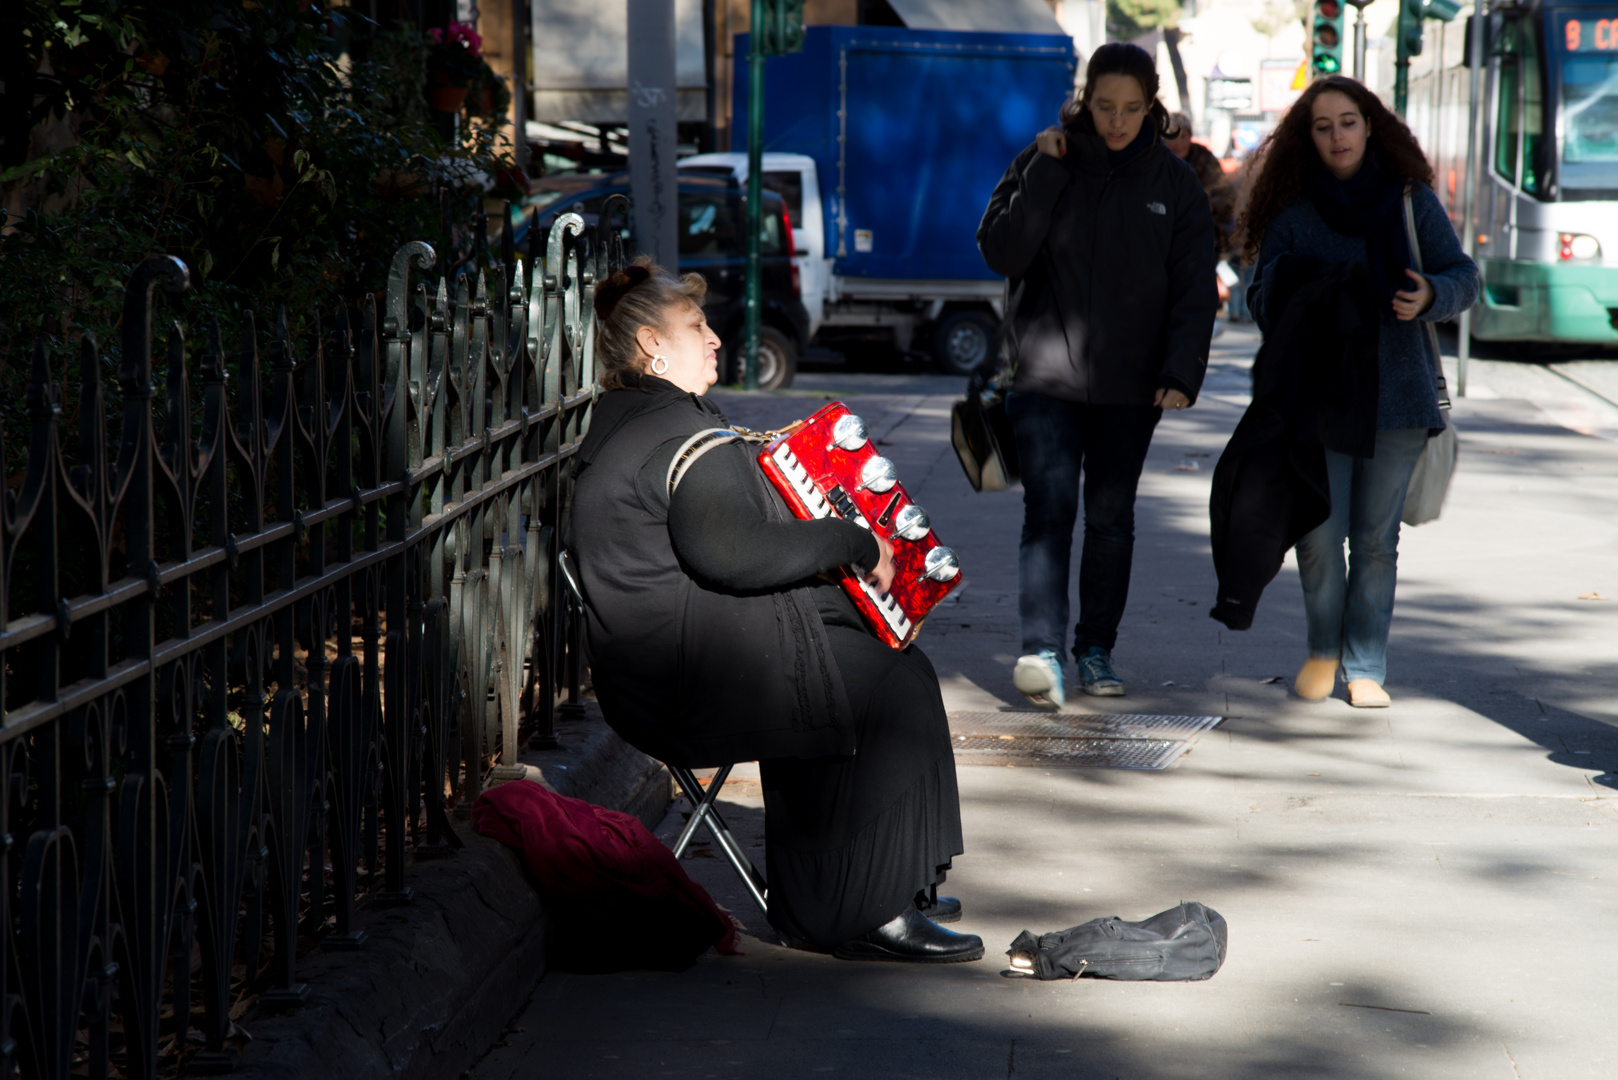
x=1327, y=46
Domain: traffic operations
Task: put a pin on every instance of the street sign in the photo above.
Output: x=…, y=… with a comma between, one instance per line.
x=1235, y=95
x=1278, y=85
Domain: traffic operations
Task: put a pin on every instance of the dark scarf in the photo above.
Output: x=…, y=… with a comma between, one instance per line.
x=1117, y=159
x=1369, y=204
x=1084, y=124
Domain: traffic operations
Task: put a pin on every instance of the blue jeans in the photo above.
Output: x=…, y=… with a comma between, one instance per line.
x=1056, y=441
x=1349, y=607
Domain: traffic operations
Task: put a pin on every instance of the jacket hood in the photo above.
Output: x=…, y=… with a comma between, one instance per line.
x=616, y=408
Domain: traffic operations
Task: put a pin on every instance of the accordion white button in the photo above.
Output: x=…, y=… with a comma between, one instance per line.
x=848, y=433
x=912, y=523
x=941, y=564
x=879, y=475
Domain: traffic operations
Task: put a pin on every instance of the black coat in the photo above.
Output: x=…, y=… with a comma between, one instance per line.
x=690, y=674
x=1314, y=388
x=1111, y=272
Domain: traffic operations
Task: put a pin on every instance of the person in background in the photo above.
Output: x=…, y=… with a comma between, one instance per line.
x=1211, y=175
x=1240, y=183
x=1108, y=244
x=1331, y=185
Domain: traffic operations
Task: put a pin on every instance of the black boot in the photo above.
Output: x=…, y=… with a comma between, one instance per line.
x=940, y=909
x=912, y=938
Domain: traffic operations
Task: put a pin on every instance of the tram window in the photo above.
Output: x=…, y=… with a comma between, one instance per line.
x=1520, y=107
x=1589, y=106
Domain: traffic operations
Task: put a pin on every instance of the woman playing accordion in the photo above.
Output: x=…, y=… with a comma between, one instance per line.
x=714, y=638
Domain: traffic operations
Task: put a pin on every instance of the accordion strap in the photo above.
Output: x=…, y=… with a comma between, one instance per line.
x=694, y=447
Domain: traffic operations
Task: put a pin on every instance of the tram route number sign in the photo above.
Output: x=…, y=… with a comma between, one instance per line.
x=1590, y=35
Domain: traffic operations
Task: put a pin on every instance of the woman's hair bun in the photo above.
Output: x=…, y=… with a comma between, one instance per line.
x=609, y=292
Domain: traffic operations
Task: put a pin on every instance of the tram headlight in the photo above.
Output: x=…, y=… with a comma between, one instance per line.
x=1579, y=246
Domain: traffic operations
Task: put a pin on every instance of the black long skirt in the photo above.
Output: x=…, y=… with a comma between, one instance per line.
x=849, y=841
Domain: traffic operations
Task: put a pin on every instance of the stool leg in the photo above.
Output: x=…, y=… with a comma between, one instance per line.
x=705, y=813
x=701, y=801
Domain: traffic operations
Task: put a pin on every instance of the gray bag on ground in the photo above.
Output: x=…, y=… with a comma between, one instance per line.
x=1182, y=944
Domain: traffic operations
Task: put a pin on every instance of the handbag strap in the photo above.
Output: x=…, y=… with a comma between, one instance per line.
x=1440, y=386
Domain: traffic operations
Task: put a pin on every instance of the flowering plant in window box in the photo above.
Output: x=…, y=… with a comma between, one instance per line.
x=454, y=60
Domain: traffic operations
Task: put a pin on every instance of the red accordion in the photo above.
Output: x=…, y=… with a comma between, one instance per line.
x=825, y=466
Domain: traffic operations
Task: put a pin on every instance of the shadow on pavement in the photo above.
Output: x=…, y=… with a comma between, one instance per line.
x=1305, y=825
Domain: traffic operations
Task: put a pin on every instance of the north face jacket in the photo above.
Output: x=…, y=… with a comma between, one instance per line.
x=1111, y=272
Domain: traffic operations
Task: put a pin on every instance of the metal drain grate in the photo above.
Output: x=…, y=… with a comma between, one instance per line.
x=1121, y=741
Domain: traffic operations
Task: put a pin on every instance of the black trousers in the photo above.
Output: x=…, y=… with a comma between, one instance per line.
x=849, y=841
x=1057, y=441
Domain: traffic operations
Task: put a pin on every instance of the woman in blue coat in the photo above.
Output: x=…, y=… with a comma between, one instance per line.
x=1331, y=185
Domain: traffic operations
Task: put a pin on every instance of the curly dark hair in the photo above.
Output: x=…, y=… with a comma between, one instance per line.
x=1286, y=156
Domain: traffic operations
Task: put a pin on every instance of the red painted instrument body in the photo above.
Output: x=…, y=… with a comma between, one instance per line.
x=820, y=478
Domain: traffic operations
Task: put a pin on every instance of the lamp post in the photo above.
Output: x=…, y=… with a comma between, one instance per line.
x=1474, y=162
x=776, y=29
x=756, y=40
x=1359, y=38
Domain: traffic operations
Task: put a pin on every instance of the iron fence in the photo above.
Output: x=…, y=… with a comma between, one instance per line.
x=254, y=652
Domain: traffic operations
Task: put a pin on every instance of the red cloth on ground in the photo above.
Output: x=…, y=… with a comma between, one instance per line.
x=611, y=874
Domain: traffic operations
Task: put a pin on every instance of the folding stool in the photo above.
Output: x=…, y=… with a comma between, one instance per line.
x=704, y=808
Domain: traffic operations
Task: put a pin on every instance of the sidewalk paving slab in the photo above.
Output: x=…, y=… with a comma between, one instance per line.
x=1420, y=891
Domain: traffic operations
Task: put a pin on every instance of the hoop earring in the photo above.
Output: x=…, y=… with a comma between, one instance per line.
x=656, y=360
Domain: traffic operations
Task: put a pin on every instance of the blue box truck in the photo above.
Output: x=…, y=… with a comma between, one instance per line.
x=886, y=143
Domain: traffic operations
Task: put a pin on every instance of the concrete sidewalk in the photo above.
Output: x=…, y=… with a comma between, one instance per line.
x=1421, y=891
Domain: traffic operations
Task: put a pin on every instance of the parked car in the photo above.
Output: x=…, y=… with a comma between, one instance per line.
x=711, y=230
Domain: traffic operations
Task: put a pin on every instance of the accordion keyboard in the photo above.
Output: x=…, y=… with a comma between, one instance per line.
x=839, y=504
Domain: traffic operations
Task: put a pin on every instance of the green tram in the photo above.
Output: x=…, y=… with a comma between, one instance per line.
x=1547, y=211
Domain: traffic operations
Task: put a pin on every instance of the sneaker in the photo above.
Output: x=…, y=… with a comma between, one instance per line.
x=1096, y=674
x=1039, y=679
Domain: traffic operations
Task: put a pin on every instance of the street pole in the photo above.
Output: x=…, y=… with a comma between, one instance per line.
x=521, y=56
x=1474, y=162
x=653, y=182
x=1402, y=28
x=755, y=193
x=1359, y=42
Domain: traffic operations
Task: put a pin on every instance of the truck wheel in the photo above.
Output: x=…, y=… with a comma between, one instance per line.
x=961, y=342
x=777, y=360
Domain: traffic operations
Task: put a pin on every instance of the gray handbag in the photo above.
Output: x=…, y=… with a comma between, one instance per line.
x=1429, y=484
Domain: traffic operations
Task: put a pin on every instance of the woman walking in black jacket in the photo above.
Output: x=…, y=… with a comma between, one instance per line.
x=1107, y=240
x=712, y=639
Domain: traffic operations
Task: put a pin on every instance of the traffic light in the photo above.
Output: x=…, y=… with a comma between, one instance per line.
x=1326, y=52
x=782, y=31
x=1409, y=26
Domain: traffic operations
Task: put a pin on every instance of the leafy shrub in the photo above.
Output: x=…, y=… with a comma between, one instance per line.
x=281, y=150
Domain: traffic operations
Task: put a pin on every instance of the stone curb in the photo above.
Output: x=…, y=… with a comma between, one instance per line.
x=438, y=978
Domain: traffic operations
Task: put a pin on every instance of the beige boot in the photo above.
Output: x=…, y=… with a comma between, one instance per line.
x=1365, y=694
x=1315, y=679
